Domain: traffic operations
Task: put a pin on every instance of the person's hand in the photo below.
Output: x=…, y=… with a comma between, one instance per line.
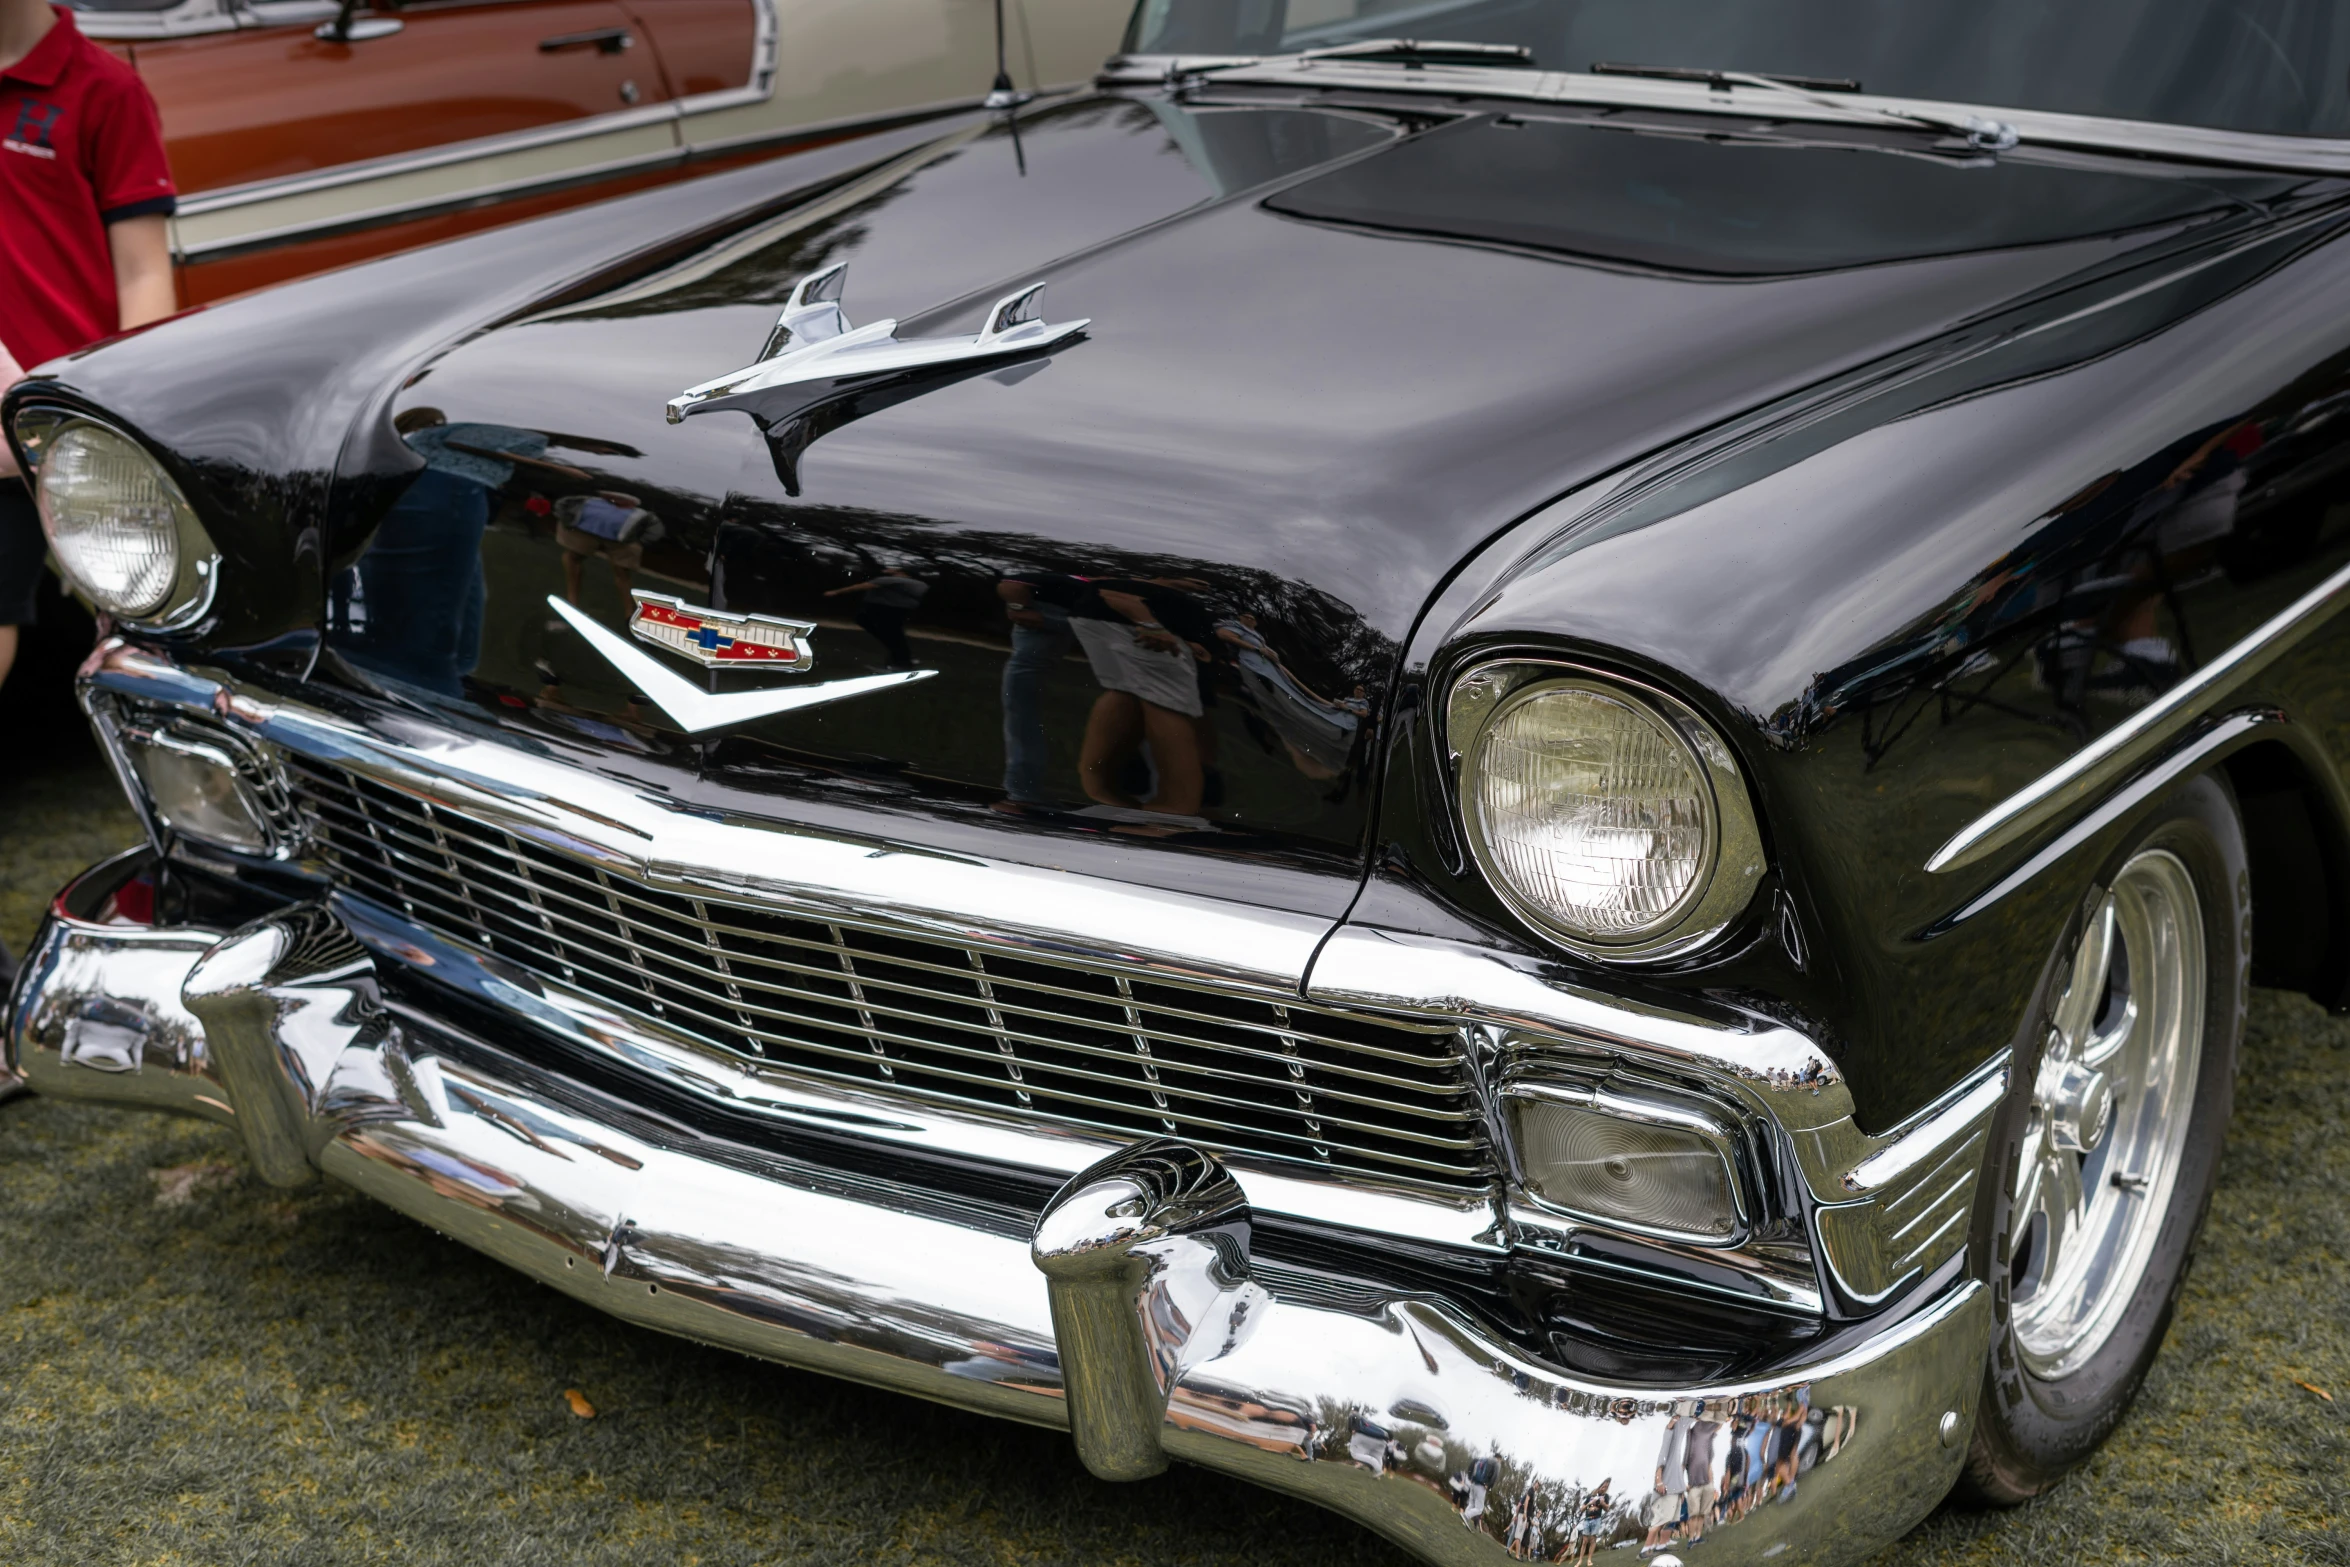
x=10, y=373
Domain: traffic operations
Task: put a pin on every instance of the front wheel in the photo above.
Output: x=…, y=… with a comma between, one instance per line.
x=2114, y=1143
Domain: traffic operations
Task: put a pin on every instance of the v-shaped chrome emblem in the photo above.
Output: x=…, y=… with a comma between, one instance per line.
x=695, y=709
x=817, y=372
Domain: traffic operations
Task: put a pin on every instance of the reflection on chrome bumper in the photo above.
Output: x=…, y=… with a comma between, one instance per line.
x=1128, y=1313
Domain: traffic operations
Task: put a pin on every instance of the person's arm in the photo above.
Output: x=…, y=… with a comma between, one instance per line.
x=143, y=287
x=562, y=468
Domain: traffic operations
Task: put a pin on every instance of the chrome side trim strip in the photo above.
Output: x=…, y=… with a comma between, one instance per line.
x=231, y=245
x=1912, y=1192
x=2105, y=760
x=228, y=198
x=422, y=207
x=2186, y=758
x=2139, y=138
x=1938, y=1127
x=188, y=19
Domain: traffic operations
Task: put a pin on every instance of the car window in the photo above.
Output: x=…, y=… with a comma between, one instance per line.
x=2275, y=66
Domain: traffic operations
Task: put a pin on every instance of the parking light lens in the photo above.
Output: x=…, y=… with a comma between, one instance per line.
x=1646, y=1176
x=196, y=791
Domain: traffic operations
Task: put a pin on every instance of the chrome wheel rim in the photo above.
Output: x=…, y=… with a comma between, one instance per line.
x=2111, y=1105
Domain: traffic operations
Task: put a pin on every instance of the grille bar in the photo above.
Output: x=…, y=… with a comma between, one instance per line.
x=1042, y=1038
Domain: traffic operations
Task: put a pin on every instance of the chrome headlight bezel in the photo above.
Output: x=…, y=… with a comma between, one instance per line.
x=196, y=568
x=1733, y=861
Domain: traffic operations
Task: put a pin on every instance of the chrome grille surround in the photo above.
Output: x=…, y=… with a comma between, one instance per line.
x=1088, y=1047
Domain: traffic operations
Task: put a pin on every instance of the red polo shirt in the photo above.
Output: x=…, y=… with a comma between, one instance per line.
x=81, y=146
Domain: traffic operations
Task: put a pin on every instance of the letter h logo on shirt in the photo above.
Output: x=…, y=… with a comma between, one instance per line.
x=35, y=120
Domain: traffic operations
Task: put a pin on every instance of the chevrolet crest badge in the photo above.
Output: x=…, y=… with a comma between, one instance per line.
x=718, y=640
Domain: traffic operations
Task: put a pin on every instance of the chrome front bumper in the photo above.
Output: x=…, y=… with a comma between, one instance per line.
x=1129, y=1314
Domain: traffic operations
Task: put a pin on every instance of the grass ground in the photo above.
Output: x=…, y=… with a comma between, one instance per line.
x=195, y=1369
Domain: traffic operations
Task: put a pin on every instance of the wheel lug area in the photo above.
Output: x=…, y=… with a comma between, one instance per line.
x=2079, y=1102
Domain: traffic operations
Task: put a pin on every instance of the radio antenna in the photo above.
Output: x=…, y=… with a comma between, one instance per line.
x=1003, y=95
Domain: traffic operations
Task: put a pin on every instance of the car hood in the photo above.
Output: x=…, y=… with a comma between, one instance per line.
x=1148, y=590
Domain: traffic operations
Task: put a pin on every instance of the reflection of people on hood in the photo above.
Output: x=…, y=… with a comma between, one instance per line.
x=1038, y=608
x=1137, y=638
x=1592, y=1524
x=2181, y=525
x=889, y=600
x=412, y=608
x=610, y=524
x=1525, y=1532
x=1318, y=733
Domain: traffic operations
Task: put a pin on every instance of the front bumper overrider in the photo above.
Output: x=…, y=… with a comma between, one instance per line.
x=1128, y=1314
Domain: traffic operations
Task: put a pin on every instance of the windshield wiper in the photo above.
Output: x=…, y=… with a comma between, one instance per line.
x=1422, y=51
x=1980, y=131
x=1410, y=53
x=1721, y=81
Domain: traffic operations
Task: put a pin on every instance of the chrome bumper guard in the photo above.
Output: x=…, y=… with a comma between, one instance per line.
x=1130, y=1316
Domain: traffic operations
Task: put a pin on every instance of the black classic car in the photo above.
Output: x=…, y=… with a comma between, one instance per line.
x=1513, y=762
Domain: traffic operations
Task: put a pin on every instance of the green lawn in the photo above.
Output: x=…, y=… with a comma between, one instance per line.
x=196, y=1369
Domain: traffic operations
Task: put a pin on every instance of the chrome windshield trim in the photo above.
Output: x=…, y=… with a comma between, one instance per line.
x=2106, y=760
x=2139, y=138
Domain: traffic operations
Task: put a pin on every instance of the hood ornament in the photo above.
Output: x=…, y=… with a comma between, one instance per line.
x=817, y=372
x=717, y=639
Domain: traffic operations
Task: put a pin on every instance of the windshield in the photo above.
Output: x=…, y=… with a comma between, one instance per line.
x=2278, y=66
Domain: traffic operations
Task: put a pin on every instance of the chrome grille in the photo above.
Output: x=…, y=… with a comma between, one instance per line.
x=1110, y=1052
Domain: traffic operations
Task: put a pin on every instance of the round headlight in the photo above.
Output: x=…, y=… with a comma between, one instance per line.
x=1603, y=814
x=118, y=524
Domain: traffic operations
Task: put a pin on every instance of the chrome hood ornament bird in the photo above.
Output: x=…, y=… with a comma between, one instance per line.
x=817, y=372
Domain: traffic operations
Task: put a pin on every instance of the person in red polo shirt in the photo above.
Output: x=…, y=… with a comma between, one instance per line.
x=84, y=192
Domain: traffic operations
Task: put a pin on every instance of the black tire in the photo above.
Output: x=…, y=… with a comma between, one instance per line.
x=2032, y=1429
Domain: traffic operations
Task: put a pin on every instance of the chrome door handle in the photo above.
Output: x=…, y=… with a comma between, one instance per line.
x=604, y=40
